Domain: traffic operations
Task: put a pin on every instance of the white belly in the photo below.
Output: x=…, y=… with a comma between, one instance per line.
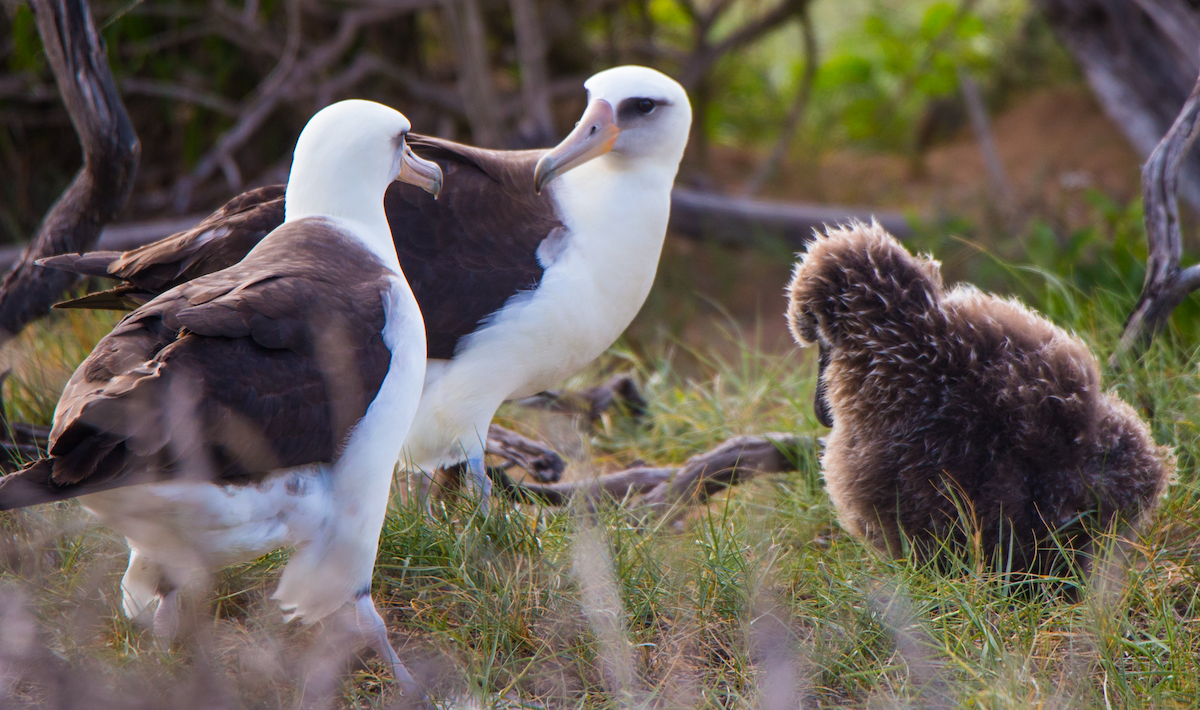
x=184, y=524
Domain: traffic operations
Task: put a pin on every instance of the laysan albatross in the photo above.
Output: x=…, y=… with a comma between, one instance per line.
x=263, y=405
x=527, y=267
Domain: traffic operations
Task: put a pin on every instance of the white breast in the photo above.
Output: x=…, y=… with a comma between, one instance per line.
x=590, y=291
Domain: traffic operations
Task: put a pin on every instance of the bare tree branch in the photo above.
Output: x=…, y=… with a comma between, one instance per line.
x=1166, y=284
x=167, y=90
x=982, y=126
x=706, y=54
x=792, y=123
x=110, y=158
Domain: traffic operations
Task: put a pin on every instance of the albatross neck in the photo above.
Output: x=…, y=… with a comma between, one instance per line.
x=355, y=202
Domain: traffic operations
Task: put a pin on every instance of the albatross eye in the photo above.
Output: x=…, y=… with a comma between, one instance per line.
x=645, y=106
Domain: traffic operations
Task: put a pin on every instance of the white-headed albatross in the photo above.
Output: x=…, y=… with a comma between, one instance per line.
x=263, y=405
x=527, y=267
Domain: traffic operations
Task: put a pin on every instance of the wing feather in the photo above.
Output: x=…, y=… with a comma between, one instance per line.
x=262, y=366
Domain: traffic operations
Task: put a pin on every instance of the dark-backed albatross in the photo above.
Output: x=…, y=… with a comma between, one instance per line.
x=527, y=267
x=263, y=405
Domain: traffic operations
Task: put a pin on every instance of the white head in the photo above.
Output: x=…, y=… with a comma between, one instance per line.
x=636, y=116
x=347, y=155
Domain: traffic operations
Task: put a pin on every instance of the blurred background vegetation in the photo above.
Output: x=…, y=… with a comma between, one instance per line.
x=849, y=102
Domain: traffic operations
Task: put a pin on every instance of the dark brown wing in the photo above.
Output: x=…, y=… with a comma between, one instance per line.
x=474, y=247
x=264, y=365
x=464, y=254
x=220, y=241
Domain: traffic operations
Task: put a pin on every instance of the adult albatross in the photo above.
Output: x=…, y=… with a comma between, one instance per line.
x=259, y=406
x=527, y=267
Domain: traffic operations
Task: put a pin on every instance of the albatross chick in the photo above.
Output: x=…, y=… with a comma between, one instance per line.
x=955, y=406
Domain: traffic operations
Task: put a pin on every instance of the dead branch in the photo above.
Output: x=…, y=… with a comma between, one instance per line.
x=592, y=403
x=617, y=486
x=669, y=489
x=539, y=460
x=167, y=90
x=706, y=53
x=1167, y=284
x=792, y=123
x=1002, y=192
x=110, y=158
x=736, y=461
x=292, y=78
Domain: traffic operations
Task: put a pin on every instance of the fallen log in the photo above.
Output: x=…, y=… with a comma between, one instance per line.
x=741, y=221
x=703, y=216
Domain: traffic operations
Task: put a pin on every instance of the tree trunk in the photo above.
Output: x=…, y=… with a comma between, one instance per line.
x=537, y=128
x=1140, y=57
x=110, y=158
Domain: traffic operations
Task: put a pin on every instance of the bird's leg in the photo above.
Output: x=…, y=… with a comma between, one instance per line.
x=140, y=587
x=478, y=482
x=371, y=625
x=166, y=617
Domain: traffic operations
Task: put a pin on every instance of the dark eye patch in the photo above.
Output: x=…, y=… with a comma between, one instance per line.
x=637, y=107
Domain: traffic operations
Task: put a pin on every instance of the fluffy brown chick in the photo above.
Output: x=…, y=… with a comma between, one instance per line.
x=945, y=402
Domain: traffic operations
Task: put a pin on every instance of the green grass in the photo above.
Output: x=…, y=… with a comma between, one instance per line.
x=761, y=596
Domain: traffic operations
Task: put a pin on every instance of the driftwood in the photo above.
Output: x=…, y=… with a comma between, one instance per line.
x=669, y=489
x=75, y=52
x=1167, y=284
x=592, y=403
x=705, y=216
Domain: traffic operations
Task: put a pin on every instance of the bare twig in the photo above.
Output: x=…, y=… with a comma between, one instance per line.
x=167, y=90
x=1166, y=283
x=1002, y=191
x=110, y=149
x=790, y=125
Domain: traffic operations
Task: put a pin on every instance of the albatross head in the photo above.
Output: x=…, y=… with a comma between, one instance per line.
x=635, y=116
x=347, y=155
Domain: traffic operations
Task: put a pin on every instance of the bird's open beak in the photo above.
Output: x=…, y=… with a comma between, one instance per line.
x=415, y=170
x=593, y=136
